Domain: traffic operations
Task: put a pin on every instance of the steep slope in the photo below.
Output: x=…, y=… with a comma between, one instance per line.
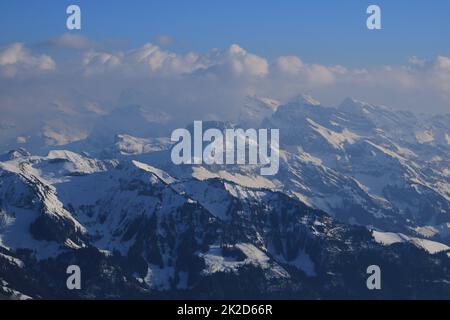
x=379, y=166
x=137, y=231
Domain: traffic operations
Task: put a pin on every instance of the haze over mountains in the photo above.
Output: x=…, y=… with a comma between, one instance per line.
x=358, y=184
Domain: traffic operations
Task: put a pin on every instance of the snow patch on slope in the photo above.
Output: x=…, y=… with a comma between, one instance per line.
x=388, y=238
x=216, y=262
x=335, y=139
x=250, y=181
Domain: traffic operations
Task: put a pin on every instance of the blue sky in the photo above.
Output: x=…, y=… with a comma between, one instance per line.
x=328, y=32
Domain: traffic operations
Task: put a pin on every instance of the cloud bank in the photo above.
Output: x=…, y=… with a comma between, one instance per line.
x=44, y=82
x=17, y=60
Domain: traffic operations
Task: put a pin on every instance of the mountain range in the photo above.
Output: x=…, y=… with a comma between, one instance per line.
x=358, y=185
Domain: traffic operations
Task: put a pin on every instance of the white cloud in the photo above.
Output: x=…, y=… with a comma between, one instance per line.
x=320, y=75
x=157, y=60
x=415, y=61
x=16, y=59
x=148, y=60
x=242, y=62
x=151, y=60
x=290, y=65
x=217, y=81
x=443, y=63
x=441, y=76
x=100, y=62
x=313, y=74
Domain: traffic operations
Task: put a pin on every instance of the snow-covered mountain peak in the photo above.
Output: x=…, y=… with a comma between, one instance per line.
x=130, y=145
x=304, y=100
x=298, y=109
x=264, y=103
x=352, y=105
x=14, y=154
x=256, y=109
